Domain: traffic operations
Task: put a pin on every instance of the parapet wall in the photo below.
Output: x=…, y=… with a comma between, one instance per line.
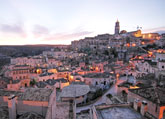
x=32, y=106
x=51, y=110
x=152, y=107
x=112, y=105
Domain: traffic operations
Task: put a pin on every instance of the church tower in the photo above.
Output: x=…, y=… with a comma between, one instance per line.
x=117, y=27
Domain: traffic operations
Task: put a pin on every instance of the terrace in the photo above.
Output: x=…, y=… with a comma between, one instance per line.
x=118, y=112
x=33, y=94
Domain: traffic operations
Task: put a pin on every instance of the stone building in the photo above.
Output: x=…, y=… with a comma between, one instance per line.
x=40, y=101
x=151, y=36
x=101, y=80
x=149, y=101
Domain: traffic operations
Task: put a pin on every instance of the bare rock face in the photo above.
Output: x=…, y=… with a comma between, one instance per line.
x=4, y=113
x=30, y=115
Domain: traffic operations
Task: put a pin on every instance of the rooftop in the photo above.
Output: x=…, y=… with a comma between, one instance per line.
x=36, y=94
x=117, y=112
x=21, y=65
x=151, y=62
x=75, y=90
x=154, y=94
x=45, y=74
x=20, y=69
x=97, y=75
x=8, y=93
x=83, y=115
x=7, y=80
x=4, y=114
x=30, y=115
x=51, y=82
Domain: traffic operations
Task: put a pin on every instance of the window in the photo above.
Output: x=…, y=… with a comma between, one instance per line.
x=104, y=82
x=147, y=70
x=162, y=67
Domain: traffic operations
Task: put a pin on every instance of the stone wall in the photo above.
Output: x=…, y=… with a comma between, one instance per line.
x=152, y=108
x=62, y=111
x=112, y=105
x=51, y=111
x=4, y=100
x=32, y=106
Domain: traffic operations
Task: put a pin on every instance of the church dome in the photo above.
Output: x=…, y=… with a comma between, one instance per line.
x=123, y=32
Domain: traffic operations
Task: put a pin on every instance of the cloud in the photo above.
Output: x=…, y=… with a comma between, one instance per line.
x=47, y=35
x=155, y=30
x=39, y=31
x=67, y=36
x=14, y=29
x=11, y=28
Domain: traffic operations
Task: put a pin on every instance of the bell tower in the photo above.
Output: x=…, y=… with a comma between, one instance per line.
x=117, y=27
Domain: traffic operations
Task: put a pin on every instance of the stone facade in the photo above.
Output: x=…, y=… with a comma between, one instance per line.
x=156, y=110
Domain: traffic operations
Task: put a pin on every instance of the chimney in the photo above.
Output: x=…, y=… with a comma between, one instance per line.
x=143, y=108
x=135, y=104
x=12, y=106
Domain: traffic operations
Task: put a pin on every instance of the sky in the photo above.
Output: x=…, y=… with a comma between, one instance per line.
x=62, y=21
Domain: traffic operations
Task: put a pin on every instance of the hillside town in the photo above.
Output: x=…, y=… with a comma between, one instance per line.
x=108, y=76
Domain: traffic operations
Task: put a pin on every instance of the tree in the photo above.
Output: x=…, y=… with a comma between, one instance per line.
x=32, y=82
x=106, y=52
x=109, y=95
x=114, y=52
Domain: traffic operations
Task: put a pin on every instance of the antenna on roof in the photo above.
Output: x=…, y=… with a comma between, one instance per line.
x=139, y=28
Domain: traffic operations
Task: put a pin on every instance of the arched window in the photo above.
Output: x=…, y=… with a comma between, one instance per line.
x=25, y=84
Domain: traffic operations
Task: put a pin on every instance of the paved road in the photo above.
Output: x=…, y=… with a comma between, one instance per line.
x=113, y=90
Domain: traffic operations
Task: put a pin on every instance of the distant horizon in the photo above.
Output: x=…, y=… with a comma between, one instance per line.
x=60, y=22
x=159, y=32
x=38, y=45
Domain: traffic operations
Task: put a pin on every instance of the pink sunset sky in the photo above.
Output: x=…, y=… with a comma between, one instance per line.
x=62, y=21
